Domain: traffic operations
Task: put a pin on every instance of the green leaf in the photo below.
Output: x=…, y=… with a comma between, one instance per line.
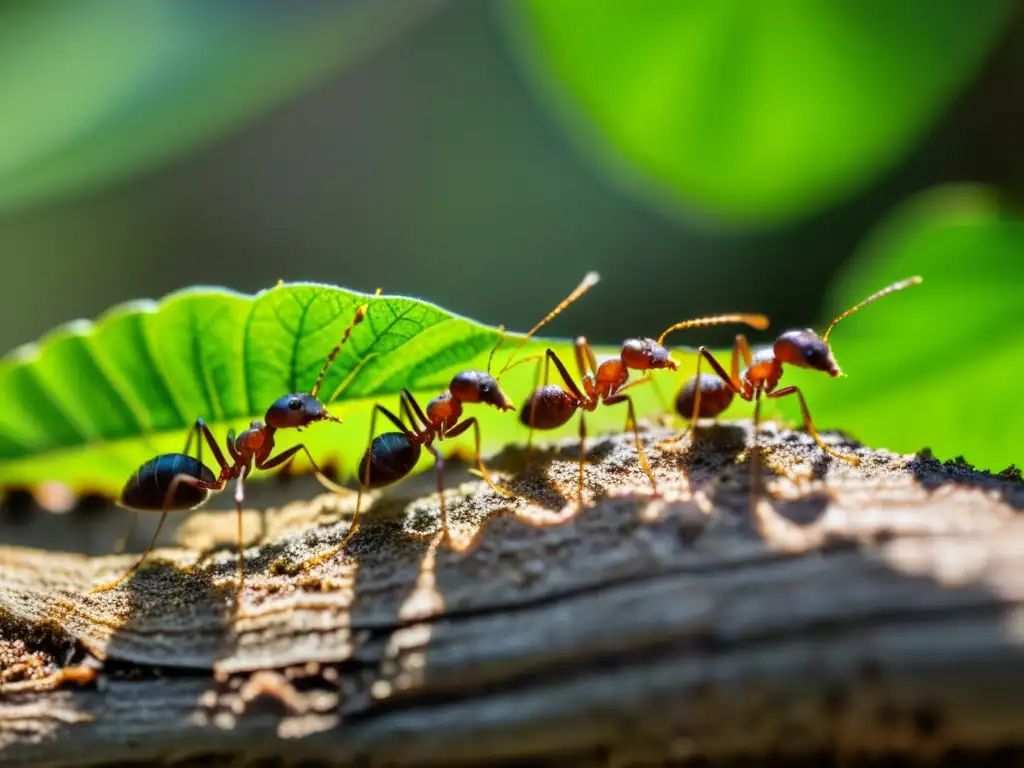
x=136, y=84
x=757, y=112
x=937, y=365
x=92, y=401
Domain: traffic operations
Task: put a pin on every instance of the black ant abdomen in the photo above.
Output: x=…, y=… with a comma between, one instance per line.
x=548, y=407
x=715, y=397
x=391, y=457
x=146, y=489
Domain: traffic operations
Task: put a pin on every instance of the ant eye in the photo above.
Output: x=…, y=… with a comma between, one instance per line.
x=294, y=404
x=810, y=353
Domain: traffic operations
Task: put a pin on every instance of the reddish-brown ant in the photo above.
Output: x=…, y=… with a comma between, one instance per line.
x=705, y=396
x=391, y=456
x=176, y=482
x=550, y=406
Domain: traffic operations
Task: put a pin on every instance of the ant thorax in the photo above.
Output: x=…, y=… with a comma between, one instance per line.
x=444, y=410
x=611, y=374
x=764, y=371
x=251, y=440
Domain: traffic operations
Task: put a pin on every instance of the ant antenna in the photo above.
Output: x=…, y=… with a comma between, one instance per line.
x=501, y=338
x=884, y=292
x=589, y=281
x=360, y=316
x=759, y=322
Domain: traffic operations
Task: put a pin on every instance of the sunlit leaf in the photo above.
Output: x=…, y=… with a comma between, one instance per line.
x=93, y=92
x=91, y=401
x=937, y=365
x=756, y=112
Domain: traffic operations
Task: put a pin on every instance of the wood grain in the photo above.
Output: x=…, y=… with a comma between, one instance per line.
x=858, y=611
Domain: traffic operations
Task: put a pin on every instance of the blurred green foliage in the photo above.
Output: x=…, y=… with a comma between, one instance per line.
x=116, y=88
x=758, y=114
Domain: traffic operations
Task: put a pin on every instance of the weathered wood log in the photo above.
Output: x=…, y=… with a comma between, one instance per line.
x=859, y=611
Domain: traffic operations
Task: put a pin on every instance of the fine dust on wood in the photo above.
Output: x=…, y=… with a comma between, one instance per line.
x=863, y=611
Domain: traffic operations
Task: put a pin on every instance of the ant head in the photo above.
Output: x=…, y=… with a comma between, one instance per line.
x=645, y=354
x=479, y=387
x=806, y=349
x=297, y=410
x=476, y=386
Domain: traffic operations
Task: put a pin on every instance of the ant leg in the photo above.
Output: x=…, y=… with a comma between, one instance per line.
x=457, y=430
x=581, y=398
x=635, y=383
x=740, y=347
x=201, y=428
x=631, y=424
x=691, y=428
x=585, y=360
x=168, y=496
x=542, y=365
x=703, y=353
x=583, y=458
x=564, y=373
x=439, y=469
x=364, y=482
x=810, y=425
x=239, y=498
x=229, y=443
x=289, y=454
x=755, y=456
x=533, y=406
x=411, y=407
x=405, y=414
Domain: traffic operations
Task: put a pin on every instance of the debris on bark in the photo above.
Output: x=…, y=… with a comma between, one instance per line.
x=854, y=612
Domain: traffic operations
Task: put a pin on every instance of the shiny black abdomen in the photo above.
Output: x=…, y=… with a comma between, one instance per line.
x=715, y=397
x=147, y=488
x=548, y=407
x=391, y=457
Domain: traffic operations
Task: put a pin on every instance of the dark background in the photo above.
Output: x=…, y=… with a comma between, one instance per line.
x=431, y=168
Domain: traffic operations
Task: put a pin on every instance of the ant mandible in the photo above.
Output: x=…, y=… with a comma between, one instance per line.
x=705, y=396
x=176, y=482
x=391, y=456
x=550, y=406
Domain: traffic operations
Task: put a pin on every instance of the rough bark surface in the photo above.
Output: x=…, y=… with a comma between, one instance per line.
x=856, y=612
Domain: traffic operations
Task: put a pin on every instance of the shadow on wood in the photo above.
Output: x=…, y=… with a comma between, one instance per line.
x=863, y=611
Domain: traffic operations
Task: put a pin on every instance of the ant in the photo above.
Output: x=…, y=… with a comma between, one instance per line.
x=176, y=482
x=705, y=396
x=550, y=406
x=391, y=456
